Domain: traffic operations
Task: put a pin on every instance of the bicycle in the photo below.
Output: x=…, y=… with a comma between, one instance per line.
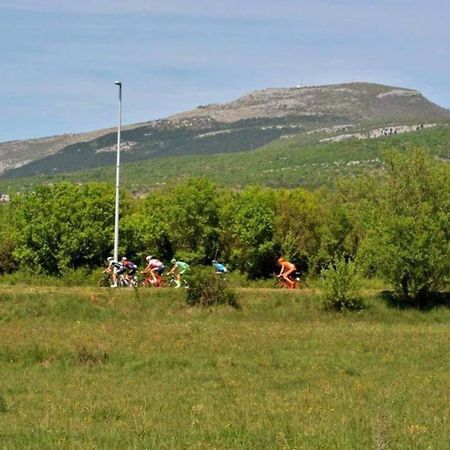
x=105, y=281
x=124, y=281
x=173, y=283
x=148, y=281
x=282, y=283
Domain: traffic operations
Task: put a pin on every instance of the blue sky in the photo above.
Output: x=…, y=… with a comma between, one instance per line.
x=60, y=58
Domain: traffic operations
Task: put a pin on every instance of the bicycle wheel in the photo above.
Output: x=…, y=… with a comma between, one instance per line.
x=104, y=282
x=134, y=282
x=159, y=281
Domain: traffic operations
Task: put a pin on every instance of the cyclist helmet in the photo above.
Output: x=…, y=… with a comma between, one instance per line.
x=173, y=261
x=124, y=258
x=148, y=258
x=109, y=258
x=214, y=261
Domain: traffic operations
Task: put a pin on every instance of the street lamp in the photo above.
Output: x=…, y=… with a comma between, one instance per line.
x=116, y=220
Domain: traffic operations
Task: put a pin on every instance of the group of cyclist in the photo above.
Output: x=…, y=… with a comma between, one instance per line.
x=155, y=268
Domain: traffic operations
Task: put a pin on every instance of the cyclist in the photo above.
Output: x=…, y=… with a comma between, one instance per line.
x=218, y=267
x=287, y=268
x=113, y=268
x=128, y=268
x=179, y=269
x=155, y=269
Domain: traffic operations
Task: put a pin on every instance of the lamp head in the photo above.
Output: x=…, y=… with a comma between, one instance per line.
x=118, y=83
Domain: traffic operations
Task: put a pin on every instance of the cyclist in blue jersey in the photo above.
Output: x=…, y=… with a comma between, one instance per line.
x=129, y=268
x=218, y=267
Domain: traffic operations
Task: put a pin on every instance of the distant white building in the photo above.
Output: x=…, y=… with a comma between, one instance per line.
x=4, y=198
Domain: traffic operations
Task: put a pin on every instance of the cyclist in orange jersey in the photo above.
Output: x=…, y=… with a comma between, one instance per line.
x=287, y=268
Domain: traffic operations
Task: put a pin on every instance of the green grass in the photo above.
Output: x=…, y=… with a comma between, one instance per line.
x=88, y=368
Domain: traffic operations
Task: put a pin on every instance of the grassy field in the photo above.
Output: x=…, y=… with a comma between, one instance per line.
x=88, y=368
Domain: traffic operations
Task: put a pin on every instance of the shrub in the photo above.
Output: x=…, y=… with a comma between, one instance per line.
x=7, y=262
x=3, y=407
x=79, y=277
x=207, y=289
x=27, y=277
x=340, y=286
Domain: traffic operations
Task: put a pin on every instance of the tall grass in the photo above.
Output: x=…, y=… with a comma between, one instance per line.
x=87, y=368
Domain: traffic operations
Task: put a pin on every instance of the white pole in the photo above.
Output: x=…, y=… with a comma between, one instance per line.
x=116, y=221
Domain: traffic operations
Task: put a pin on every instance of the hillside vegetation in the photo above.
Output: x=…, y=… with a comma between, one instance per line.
x=296, y=161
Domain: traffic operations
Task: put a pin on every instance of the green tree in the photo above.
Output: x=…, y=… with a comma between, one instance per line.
x=249, y=224
x=145, y=232
x=188, y=212
x=408, y=225
x=7, y=241
x=299, y=214
x=63, y=226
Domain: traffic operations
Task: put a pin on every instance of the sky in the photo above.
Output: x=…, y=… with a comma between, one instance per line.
x=60, y=58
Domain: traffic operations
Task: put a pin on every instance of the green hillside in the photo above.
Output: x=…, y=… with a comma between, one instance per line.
x=298, y=161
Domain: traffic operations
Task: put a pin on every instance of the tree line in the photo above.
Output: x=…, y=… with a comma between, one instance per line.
x=394, y=224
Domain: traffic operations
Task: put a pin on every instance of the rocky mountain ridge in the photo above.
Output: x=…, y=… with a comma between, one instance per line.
x=246, y=123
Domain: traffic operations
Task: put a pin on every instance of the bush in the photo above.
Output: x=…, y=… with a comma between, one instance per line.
x=70, y=277
x=29, y=278
x=340, y=282
x=7, y=262
x=3, y=407
x=79, y=277
x=207, y=289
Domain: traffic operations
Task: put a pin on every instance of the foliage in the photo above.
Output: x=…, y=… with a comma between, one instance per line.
x=340, y=283
x=395, y=224
x=248, y=220
x=299, y=213
x=301, y=160
x=207, y=289
x=7, y=241
x=63, y=226
x=144, y=233
x=191, y=211
x=7, y=261
x=407, y=229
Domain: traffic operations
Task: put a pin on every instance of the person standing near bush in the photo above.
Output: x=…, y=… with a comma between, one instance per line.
x=179, y=269
x=287, y=268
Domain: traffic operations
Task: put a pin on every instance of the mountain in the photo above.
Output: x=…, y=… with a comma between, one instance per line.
x=247, y=123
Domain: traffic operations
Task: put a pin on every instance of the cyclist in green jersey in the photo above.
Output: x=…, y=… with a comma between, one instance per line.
x=179, y=268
